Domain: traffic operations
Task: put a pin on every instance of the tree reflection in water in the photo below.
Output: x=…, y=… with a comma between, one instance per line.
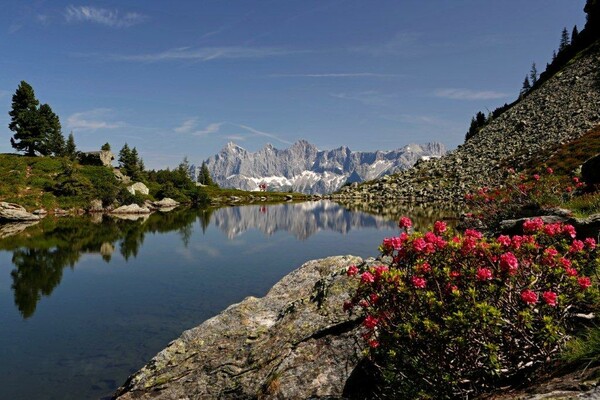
x=42, y=251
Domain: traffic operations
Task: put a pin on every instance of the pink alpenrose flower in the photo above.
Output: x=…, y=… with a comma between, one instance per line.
x=529, y=296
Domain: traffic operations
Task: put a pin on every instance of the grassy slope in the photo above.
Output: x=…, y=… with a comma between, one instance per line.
x=29, y=181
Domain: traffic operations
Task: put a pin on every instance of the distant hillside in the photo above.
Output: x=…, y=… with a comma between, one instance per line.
x=304, y=168
x=560, y=110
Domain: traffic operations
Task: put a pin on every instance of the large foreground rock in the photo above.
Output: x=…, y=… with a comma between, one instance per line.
x=294, y=343
x=16, y=213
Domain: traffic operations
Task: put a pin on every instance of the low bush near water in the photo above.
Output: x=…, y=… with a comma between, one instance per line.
x=456, y=314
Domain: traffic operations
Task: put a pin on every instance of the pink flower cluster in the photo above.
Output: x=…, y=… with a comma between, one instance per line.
x=537, y=267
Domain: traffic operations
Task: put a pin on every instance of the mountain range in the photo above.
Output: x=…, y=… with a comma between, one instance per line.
x=304, y=168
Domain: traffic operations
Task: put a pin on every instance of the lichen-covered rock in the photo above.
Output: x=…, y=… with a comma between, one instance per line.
x=167, y=202
x=96, y=206
x=138, y=187
x=14, y=212
x=294, y=343
x=131, y=209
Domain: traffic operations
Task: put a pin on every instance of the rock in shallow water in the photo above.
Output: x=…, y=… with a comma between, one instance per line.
x=14, y=212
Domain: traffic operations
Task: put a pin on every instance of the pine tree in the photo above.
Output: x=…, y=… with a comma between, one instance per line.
x=184, y=166
x=133, y=168
x=70, y=148
x=526, y=86
x=135, y=159
x=130, y=163
x=574, y=34
x=533, y=74
x=564, y=40
x=204, y=176
x=124, y=157
x=25, y=121
x=105, y=147
x=50, y=126
x=553, y=55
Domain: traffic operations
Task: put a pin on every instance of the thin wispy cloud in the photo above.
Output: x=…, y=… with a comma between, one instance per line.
x=201, y=54
x=466, y=94
x=4, y=93
x=42, y=19
x=401, y=44
x=265, y=134
x=187, y=126
x=336, y=75
x=14, y=27
x=190, y=127
x=99, y=118
x=237, y=138
x=103, y=16
x=369, y=97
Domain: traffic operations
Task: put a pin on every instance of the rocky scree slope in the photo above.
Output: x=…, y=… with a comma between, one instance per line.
x=303, y=168
x=562, y=109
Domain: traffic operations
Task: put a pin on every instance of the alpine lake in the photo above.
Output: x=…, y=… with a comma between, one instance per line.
x=86, y=301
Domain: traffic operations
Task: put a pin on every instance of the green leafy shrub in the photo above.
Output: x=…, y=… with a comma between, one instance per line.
x=458, y=314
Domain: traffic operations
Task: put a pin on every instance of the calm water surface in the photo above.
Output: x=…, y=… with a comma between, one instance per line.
x=86, y=302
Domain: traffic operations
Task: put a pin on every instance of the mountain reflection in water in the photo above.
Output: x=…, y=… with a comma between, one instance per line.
x=40, y=252
x=96, y=297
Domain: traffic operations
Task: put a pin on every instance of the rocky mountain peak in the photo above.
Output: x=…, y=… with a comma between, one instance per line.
x=304, y=168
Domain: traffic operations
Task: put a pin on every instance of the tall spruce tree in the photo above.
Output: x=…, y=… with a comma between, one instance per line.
x=533, y=74
x=564, y=40
x=54, y=139
x=204, y=176
x=574, y=34
x=25, y=121
x=70, y=148
x=130, y=162
x=526, y=86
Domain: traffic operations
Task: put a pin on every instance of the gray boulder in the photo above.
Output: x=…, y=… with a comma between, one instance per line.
x=138, y=187
x=294, y=343
x=131, y=209
x=14, y=212
x=167, y=202
x=102, y=157
x=96, y=206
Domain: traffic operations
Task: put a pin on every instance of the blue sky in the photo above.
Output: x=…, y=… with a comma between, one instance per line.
x=182, y=78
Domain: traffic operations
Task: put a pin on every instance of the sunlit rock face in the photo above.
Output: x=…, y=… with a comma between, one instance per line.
x=304, y=168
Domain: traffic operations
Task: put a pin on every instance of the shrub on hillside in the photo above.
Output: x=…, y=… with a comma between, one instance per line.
x=455, y=314
x=522, y=195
